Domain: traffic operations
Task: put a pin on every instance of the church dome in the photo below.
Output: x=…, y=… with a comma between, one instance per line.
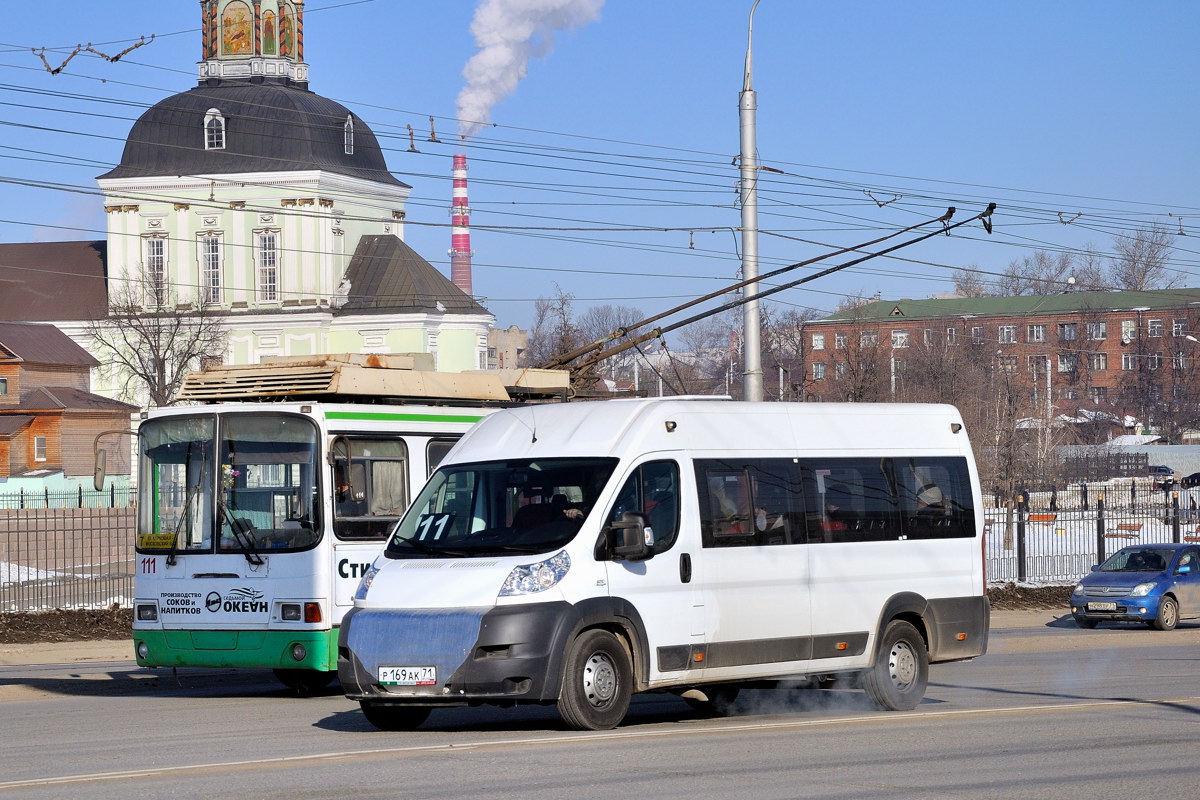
x=237, y=126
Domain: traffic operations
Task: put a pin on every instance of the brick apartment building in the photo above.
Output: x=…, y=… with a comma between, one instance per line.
x=1082, y=350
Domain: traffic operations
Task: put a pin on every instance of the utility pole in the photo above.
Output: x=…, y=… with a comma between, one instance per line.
x=752, y=377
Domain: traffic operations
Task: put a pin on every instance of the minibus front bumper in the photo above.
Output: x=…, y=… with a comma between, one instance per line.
x=505, y=654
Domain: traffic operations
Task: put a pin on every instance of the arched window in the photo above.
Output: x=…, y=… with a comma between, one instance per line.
x=214, y=130
x=348, y=135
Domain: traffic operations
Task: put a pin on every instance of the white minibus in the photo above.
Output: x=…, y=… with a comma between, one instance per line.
x=580, y=553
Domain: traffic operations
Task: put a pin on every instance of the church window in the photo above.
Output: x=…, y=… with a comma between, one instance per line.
x=214, y=130
x=348, y=135
x=266, y=253
x=155, y=262
x=210, y=269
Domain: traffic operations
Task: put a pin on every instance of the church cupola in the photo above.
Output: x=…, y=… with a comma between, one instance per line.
x=255, y=40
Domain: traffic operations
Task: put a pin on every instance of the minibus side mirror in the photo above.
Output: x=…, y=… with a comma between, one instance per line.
x=629, y=537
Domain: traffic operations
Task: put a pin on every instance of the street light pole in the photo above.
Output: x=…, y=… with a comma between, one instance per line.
x=752, y=377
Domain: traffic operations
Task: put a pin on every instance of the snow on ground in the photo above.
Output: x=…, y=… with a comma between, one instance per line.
x=19, y=573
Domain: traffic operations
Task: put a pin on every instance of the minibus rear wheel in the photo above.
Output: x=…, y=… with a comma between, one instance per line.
x=897, y=680
x=394, y=718
x=597, y=682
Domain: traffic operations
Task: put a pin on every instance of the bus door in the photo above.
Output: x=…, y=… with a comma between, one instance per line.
x=372, y=480
x=662, y=588
x=753, y=566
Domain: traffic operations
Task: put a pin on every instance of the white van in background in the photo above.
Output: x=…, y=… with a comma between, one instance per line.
x=580, y=553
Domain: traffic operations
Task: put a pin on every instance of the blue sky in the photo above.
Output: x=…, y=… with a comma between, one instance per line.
x=608, y=171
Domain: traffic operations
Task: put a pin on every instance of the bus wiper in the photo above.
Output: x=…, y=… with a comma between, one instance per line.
x=241, y=532
x=185, y=520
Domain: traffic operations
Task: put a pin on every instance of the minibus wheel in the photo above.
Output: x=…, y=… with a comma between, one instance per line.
x=394, y=718
x=305, y=682
x=597, y=682
x=897, y=680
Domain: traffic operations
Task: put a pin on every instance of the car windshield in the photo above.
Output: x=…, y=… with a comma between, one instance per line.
x=518, y=506
x=1138, y=559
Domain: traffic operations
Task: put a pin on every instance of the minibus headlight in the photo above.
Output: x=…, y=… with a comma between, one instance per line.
x=367, y=579
x=534, y=578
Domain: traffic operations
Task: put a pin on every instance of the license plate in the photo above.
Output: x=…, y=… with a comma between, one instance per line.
x=1102, y=606
x=408, y=676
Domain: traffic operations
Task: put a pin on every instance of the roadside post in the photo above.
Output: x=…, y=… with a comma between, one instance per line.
x=1022, y=512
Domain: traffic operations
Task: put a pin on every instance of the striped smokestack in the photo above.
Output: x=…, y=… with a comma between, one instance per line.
x=460, y=232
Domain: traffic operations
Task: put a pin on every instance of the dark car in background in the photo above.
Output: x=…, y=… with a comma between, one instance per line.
x=1158, y=584
x=1191, y=481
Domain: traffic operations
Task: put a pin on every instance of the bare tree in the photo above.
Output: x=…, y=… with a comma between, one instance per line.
x=155, y=347
x=970, y=282
x=1040, y=273
x=1141, y=261
x=554, y=331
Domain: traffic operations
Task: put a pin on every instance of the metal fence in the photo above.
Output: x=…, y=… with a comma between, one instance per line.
x=58, y=554
x=62, y=558
x=112, y=497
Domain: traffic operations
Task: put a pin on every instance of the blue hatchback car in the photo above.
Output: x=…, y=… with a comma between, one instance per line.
x=1158, y=584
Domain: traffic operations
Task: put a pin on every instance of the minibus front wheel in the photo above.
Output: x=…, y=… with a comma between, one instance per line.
x=898, y=678
x=597, y=682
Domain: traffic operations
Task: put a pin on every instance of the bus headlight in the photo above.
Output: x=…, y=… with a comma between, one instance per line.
x=534, y=578
x=147, y=612
x=365, y=584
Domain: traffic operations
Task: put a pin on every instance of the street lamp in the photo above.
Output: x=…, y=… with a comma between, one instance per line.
x=752, y=378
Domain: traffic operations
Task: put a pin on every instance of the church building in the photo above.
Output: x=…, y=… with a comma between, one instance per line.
x=267, y=207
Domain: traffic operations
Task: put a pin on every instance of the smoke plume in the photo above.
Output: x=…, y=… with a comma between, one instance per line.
x=509, y=33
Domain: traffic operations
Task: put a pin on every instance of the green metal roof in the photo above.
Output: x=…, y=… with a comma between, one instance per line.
x=1019, y=306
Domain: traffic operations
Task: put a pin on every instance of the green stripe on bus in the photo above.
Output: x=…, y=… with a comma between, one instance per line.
x=382, y=416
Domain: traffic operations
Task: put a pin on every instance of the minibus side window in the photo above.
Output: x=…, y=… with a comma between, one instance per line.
x=750, y=503
x=885, y=499
x=935, y=495
x=653, y=490
x=850, y=500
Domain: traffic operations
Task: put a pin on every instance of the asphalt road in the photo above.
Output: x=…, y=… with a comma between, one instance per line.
x=1050, y=712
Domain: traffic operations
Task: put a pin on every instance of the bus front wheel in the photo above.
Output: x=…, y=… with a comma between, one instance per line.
x=897, y=680
x=305, y=682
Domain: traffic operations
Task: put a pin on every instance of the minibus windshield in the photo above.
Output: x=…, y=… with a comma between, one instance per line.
x=518, y=506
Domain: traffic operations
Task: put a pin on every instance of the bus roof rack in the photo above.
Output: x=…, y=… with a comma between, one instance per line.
x=356, y=377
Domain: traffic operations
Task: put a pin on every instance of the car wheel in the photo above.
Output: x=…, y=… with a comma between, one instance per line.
x=1168, y=615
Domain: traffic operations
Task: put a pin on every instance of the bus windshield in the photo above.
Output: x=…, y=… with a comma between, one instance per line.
x=519, y=506
x=228, y=483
